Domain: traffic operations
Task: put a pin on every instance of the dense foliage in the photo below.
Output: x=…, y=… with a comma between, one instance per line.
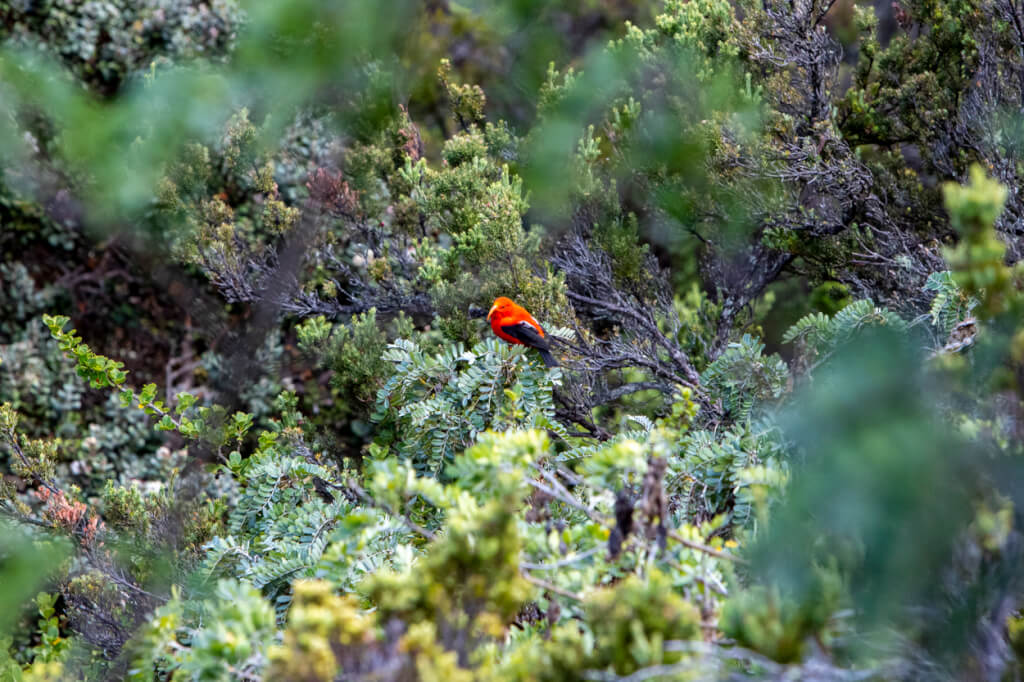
x=253, y=427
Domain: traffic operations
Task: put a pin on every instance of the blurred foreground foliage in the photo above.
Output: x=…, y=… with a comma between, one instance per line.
x=251, y=426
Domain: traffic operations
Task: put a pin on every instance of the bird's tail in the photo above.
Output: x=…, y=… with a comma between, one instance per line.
x=547, y=357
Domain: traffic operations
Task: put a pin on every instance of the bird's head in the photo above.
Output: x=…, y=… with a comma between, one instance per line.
x=501, y=304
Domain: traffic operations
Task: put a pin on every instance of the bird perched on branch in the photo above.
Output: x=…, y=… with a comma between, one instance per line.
x=512, y=323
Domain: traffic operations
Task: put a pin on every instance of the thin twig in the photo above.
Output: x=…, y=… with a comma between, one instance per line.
x=572, y=502
x=558, y=564
x=12, y=438
x=700, y=547
x=551, y=587
x=559, y=492
x=365, y=497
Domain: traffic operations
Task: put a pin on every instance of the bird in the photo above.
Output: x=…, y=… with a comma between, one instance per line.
x=512, y=323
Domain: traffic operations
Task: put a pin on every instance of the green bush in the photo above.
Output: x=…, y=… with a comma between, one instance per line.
x=270, y=435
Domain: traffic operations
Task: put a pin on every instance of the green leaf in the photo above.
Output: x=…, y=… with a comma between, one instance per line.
x=185, y=401
x=189, y=428
x=147, y=394
x=56, y=324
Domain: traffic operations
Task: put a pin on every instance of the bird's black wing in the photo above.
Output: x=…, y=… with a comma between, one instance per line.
x=527, y=334
x=524, y=333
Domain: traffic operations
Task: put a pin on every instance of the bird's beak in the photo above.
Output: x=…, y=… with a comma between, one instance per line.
x=493, y=308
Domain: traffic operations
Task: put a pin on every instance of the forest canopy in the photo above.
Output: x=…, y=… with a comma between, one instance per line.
x=254, y=424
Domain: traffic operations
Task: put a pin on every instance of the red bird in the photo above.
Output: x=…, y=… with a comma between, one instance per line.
x=512, y=323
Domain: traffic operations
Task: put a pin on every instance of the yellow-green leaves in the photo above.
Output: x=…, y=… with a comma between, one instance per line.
x=98, y=370
x=977, y=261
x=190, y=420
x=467, y=100
x=974, y=207
x=322, y=627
